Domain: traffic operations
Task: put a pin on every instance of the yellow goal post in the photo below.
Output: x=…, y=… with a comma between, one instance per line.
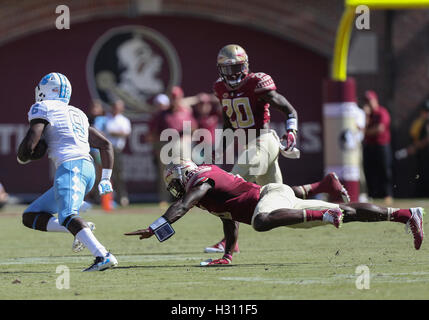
x=342, y=41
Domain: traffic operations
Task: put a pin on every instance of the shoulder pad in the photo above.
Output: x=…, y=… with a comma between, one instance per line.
x=264, y=82
x=197, y=177
x=258, y=75
x=39, y=110
x=217, y=85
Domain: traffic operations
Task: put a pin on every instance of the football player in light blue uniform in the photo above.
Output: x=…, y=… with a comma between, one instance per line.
x=69, y=137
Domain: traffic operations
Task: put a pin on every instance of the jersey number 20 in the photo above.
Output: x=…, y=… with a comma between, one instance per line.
x=239, y=112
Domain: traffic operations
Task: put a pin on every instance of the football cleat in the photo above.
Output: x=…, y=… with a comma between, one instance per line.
x=415, y=223
x=217, y=262
x=334, y=216
x=103, y=263
x=225, y=260
x=77, y=245
x=335, y=188
x=220, y=248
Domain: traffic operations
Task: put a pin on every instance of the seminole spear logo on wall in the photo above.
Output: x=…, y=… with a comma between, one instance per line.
x=134, y=64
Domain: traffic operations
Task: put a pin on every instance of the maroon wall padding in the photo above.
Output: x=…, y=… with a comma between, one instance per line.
x=339, y=91
x=353, y=188
x=297, y=72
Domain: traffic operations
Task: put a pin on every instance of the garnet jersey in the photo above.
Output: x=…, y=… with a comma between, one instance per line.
x=242, y=105
x=231, y=196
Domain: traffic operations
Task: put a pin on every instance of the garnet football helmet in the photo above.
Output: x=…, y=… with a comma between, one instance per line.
x=233, y=64
x=176, y=175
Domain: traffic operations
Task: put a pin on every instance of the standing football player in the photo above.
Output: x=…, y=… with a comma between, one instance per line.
x=274, y=205
x=246, y=98
x=67, y=137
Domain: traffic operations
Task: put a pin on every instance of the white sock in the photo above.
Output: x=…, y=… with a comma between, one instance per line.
x=90, y=241
x=54, y=226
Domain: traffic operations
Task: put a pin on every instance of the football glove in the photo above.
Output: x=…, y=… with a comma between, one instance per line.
x=290, y=138
x=105, y=186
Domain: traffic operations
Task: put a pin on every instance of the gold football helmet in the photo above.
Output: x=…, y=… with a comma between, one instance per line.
x=233, y=64
x=176, y=176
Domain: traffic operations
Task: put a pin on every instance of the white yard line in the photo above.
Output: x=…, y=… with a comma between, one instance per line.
x=385, y=277
x=79, y=258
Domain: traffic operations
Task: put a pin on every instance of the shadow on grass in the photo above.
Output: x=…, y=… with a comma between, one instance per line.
x=121, y=254
x=243, y=265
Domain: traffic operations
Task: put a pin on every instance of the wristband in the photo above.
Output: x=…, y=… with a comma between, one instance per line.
x=106, y=174
x=292, y=124
x=162, y=229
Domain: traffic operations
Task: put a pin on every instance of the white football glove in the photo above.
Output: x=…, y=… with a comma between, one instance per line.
x=105, y=186
x=290, y=138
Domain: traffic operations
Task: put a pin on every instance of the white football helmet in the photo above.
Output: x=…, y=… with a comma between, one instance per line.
x=54, y=86
x=176, y=175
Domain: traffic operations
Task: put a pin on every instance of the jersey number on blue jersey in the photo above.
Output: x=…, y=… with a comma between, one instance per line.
x=78, y=126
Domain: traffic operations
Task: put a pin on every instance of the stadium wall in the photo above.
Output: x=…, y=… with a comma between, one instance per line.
x=188, y=54
x=401, y=79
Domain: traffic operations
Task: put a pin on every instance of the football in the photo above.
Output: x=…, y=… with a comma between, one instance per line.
x=39, y=150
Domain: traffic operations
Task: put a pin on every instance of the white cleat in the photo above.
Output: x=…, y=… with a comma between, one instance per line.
x=77, y=245
x=217, y=248
x=220, y=248
x=103, y=263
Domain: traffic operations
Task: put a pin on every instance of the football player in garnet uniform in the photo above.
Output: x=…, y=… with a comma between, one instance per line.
x=233, y=199
x=246, y=98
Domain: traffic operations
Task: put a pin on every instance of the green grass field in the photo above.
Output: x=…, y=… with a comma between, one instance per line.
x=281, y=264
